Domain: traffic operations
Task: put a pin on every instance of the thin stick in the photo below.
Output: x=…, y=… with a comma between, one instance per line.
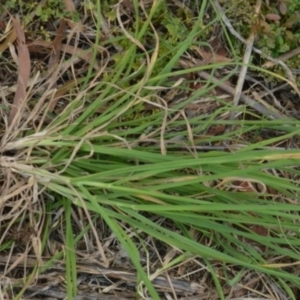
x=244, y=68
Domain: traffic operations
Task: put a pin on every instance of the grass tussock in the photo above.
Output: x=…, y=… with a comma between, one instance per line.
x=129, y=170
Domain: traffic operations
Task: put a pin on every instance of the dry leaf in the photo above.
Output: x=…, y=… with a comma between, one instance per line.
x=127, y=4
x=69, y=4
x=294, y=19
x=55, y=55
x=56, y=45
x=272, y=17
x=282, y=8
x=260, y=230
x=215, y=130
x=243, y=186
x=210, y=57
x=24, y=70
x=85, y=55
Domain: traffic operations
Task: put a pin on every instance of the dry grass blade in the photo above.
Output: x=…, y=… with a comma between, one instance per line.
x=283, y=57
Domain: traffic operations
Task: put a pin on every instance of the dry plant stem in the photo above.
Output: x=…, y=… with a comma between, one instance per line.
x=24, y=71
x=245, y=99
x=289, y=74
x=283, y=57
x=244, y=68
x=267, y=91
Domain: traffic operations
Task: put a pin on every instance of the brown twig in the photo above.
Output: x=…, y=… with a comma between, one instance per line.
x=270, y=113
x=244, y=68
